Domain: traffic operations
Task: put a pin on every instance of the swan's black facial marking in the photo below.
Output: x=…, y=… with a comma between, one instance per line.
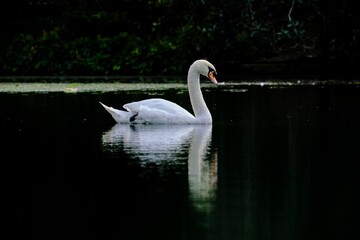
x=133, y=117
x=212, y=70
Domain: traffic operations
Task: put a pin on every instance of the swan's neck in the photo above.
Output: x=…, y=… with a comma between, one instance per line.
x=201, y=112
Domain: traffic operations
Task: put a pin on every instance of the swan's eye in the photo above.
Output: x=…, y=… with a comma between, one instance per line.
x=211, y=73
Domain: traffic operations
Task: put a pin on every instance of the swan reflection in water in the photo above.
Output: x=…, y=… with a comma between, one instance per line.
x=158, y=143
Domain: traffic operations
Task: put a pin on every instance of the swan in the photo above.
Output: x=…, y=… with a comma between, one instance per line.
x=161, y=111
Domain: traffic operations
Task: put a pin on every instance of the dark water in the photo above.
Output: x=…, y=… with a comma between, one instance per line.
x=278, y=163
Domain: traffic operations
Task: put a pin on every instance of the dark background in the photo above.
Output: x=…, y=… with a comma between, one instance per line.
x=317, y=38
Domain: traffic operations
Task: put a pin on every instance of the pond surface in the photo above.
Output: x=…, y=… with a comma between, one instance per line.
x=279, y=162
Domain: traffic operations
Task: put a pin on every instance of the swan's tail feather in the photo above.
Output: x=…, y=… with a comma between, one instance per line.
x=118, y=115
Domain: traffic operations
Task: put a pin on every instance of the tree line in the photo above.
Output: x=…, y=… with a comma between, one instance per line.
x=141, y=37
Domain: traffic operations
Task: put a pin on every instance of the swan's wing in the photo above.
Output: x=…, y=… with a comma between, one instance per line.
x=158, y=110
x=157, y=104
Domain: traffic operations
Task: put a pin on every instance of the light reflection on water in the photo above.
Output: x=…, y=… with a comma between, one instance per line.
x=171, y=144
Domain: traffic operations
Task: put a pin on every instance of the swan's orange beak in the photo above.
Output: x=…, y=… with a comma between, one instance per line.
x=212, y=77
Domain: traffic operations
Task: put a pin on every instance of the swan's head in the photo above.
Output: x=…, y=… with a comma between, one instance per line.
x=206, y=69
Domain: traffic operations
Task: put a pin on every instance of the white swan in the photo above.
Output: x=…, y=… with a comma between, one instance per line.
x=161, y=111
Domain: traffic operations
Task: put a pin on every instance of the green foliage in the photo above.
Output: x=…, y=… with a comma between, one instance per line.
x=293, y=32
x=103, y=37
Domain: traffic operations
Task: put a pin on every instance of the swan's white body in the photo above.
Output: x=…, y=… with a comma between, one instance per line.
x=161, y=111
